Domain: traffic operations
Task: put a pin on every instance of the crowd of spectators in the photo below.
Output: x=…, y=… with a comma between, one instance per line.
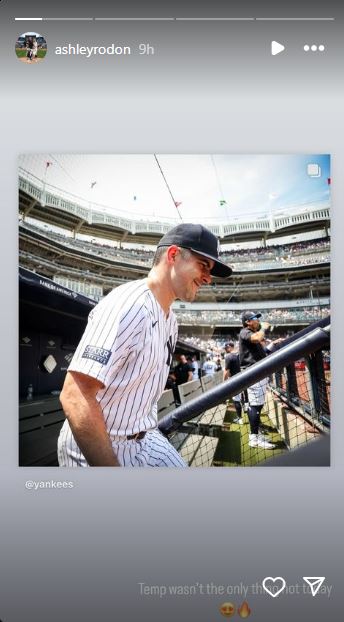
x=280, y=262
x=277, y=316
x=300, y=253
x=207, y=345
x=214, y=346
x=96, y=248
x=304, y=313
x=276, y=251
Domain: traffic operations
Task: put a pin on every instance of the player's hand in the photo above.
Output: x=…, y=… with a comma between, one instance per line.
x=265, y=325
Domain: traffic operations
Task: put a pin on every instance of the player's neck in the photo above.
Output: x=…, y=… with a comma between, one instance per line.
x=161, y=290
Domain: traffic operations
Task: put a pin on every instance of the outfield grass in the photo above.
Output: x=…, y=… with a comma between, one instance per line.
x=233, y=448
x=21, y=53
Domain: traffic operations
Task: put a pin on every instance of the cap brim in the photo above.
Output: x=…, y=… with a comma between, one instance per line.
x=220, y=269
x=256, y=316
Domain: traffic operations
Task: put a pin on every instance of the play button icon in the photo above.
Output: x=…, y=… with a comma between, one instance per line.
x=276, y=48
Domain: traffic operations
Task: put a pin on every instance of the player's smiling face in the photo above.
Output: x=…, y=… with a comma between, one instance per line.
x=190, y=273
x=253, y=324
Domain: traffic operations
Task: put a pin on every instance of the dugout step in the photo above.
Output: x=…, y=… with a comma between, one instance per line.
x=40, y=421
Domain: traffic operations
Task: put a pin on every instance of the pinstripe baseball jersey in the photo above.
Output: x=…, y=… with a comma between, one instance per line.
x=128, y=345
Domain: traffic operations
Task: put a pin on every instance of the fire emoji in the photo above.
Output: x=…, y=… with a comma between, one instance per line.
x=227, y=610
x=244, y=610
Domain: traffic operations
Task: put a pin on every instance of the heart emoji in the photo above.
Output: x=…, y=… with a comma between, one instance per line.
x=274, y=585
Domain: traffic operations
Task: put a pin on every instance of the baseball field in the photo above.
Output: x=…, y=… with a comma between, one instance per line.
x=21, y=53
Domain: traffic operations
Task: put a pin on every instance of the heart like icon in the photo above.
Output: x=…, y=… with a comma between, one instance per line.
x=277, y=587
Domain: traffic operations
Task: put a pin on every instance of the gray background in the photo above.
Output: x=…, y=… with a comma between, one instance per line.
x=210, y=88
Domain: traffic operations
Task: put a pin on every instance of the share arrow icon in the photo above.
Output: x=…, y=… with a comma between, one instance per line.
x=314, y=583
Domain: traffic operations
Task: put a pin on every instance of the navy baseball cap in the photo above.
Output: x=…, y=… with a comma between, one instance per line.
x=249, y=315
x=199, y=240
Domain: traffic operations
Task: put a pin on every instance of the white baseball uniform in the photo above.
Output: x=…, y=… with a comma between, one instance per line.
x=127, y=345
x=257, y=392
x=209, y=368
x=195, y=375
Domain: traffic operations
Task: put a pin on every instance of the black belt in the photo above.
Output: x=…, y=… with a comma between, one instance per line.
x=137, y=437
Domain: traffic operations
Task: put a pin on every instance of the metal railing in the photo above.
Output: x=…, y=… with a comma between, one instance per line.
x=295, y=408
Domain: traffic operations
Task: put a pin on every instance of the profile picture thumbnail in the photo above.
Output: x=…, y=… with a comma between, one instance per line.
x=31, y=47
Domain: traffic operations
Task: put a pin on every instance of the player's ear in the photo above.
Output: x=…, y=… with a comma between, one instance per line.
x=172, y=252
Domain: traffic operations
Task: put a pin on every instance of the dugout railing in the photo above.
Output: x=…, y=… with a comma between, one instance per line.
x=296, y=409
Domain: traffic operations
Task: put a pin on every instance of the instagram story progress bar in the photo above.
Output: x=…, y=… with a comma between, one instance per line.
x=174, y=19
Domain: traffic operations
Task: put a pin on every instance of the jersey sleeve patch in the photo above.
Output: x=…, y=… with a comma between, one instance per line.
x=100, y=355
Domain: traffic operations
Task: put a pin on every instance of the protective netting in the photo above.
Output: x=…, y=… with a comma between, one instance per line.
x=292, y=407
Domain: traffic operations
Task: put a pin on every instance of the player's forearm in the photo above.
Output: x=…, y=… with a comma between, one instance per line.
x=258, y=336
x=94, y=442
x=87, y=424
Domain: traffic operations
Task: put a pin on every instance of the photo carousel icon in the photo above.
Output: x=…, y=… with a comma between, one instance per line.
x=31, y=48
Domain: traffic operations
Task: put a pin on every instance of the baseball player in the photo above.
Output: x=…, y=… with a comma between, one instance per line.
x=29, y=49
x=122, y=362
x=232, y=367
x=34, y=49
x=183, y=371
x=195, y=367
x=209, y=366
x=251, y=350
